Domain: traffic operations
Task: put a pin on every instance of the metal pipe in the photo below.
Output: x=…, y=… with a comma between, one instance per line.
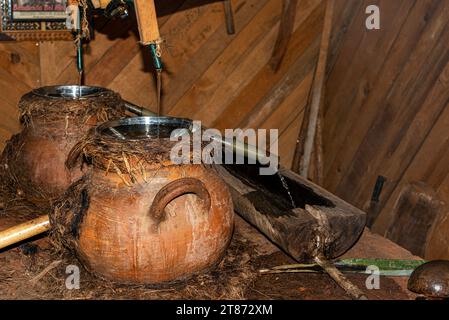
x=139, y=111
x=249, y=151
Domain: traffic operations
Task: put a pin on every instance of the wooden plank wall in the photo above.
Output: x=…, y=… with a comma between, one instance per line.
x=386, y=108
x=224, y=81
x=19, y=72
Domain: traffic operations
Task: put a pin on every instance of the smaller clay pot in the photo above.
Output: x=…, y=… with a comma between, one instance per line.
x=54, y=119
x=136, y=217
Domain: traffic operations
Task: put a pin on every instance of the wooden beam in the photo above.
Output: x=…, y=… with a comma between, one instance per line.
x=317, y=94
x=285, y=32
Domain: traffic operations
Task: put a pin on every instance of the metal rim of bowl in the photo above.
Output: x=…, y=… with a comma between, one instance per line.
x=176, y=123
x=70, y=92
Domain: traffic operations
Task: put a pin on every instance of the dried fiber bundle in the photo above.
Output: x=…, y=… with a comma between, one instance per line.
x=68, y=213
x=54, y=119
x=50, y=111
x=130, y=159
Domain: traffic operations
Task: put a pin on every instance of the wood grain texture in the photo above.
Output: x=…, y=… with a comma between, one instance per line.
x=416, y=211
x=19, y=72
x=386, y=107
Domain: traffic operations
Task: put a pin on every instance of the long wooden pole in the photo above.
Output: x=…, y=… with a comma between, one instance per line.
x=317, y=94
x=24, y=231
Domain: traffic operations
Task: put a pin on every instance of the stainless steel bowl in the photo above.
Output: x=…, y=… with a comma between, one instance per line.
x=69, y=92
x=139, y=128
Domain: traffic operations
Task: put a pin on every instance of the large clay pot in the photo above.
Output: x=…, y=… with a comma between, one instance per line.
x=136, y=217
x=54, y=119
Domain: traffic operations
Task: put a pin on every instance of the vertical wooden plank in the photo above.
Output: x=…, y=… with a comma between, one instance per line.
x=428, y=158
x=346, y=126
x=403, y=102
x=19, y=73
x=366, y=82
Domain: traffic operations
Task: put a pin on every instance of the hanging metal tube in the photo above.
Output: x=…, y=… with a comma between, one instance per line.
x=249, y=151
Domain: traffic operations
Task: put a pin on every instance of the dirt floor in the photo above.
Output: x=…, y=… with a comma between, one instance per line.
x=33, y=270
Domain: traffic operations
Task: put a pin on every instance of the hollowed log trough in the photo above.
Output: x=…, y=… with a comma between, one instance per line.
x=319, y=225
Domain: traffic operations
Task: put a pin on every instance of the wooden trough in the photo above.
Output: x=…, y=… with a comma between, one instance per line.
x=302, y=218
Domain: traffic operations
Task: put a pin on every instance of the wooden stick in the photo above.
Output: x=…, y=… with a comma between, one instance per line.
x=97, y=4
x=270, y=271
x=319, y=149
x=229, y=16
x=285, y=33
x=147, y=21
x=299, y=149
x=317, y=91
x=24, y=231
x=42, y=274
x=318, y=87
x=340, y=279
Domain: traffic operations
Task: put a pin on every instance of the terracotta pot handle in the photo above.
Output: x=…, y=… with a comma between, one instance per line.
x=175, y=189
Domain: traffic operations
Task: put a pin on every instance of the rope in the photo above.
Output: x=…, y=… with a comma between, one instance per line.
x=85, y=32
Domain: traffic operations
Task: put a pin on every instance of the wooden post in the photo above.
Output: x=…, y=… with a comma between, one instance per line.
x=317, y=95
x=147, y=21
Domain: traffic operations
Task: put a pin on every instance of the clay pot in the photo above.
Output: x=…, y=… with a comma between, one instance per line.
x=54, y=119
x=138, y=218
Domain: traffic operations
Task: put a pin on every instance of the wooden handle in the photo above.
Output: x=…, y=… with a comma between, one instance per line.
x=24, y=231
x=147, y=21
x=100, y=3
x=229, y=16
x=176, y=189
